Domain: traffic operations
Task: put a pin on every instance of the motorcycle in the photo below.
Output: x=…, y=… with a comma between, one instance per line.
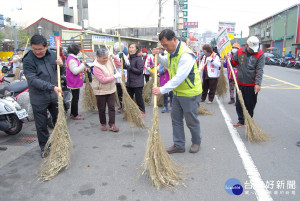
x=12, y=116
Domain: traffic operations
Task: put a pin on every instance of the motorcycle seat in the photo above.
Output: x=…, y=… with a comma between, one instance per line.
x=16, y=87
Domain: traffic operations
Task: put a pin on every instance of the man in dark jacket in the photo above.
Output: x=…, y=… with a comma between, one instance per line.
x=251, y=61
x=40, y=69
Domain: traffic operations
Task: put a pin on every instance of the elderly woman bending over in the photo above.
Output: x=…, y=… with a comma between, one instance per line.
x=104, y=87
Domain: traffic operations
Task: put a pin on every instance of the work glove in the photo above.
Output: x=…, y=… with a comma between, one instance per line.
x=127, y=61
x=117, y=75
x=110, y=54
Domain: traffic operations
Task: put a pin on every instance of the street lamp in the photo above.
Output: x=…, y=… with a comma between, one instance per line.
x=39, y=28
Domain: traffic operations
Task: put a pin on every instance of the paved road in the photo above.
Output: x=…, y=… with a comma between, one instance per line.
x=105, y=165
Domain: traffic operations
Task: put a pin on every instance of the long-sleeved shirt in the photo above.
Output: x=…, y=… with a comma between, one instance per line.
x=74, y=68
x=185, y=65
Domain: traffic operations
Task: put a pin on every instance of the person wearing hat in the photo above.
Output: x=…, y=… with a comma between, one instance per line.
x=235, y=48
x=251, y=62
x=148, y=63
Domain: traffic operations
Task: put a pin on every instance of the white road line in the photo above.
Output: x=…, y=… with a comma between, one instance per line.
x=258, y=185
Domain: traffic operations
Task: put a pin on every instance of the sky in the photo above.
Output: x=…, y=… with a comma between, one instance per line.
x=208, y=13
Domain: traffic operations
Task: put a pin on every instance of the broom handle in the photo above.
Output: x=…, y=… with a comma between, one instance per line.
x=25, y=47
x=82, y=52
x=121, y=51
x=113, y=63
x=155, y=79
x=58, y=67
x=233, y=75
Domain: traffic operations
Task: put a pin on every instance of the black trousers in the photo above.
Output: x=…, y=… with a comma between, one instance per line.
x=250, y=99
x=120, y=93
x=147, y=77
x=74, y=103
x=138, y=96
x=40, y=119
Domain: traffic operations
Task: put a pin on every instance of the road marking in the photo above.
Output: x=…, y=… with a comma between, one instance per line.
x=258, y=185
x=284, y=82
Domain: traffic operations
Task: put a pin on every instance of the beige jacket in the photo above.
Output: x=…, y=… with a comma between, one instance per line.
x=103, y=80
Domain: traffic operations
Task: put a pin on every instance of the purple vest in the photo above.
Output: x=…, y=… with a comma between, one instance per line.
x=73, y=81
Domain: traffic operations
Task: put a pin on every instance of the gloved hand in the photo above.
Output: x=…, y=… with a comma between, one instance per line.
x=209, y=59
x=127, y=62
x=117, y=75
x=121, y=55
x=110, y=54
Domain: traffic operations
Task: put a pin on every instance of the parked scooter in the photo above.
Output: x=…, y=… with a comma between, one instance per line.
x=12, y=116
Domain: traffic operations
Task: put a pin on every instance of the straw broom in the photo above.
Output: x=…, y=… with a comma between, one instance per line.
x=59, y=141
x=89, y=98
x=18, y=70
x=222, y=86
x=147, y=90
x=255, y=134
x=162, y=169
x=132, y=113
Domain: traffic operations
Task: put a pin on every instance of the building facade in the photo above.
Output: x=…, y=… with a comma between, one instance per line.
x=279, y=33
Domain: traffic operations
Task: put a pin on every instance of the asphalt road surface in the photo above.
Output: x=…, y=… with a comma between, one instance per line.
x=106, y=165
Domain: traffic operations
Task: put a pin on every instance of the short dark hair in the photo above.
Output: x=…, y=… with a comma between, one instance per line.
x=136, y=45
x=38, y=39
x=73, y=49
x=208, y=48
x=167, y=33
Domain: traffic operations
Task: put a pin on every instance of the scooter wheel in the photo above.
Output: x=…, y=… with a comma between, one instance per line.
x=16, y=125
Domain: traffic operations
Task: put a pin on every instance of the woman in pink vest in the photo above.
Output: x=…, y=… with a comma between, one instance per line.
x=74, y=78
x=104, y=87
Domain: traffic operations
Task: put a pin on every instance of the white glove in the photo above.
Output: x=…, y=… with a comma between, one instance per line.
x=148, y=69
x=127, y=62
x=117, y=75
x=209, y=59
x=110, y=54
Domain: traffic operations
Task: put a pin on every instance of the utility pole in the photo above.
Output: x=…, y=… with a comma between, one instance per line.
x=175, y=17
x=159, y=15
x=285, y=33
x=16, y=38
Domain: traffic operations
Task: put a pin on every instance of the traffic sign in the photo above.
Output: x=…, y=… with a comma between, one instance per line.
x=184, y=34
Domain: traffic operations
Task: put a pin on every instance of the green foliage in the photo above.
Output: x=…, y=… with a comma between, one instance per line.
x=2, y=36
x=22, y=36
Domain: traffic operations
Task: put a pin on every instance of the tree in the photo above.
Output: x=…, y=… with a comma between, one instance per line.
x=22, y=36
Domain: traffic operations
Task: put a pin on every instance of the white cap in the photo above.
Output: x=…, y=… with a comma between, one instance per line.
x=253, y=43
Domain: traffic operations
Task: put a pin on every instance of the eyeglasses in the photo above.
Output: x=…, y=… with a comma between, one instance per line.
x=39, y=50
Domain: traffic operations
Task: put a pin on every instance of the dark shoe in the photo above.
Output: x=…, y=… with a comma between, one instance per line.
x=113, y=128
x=164, y=110
x=231, y=101
x=195, y=148
x=175, y=149
x=104, y=128
x=238, y=125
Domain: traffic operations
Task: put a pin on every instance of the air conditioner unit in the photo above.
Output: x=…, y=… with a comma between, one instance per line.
x=262, y=34
x=267, y=34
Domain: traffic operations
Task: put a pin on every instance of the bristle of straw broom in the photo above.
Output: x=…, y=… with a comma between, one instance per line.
x=147, y=92
x=255, y=134
x=17, y=74
x=203, y=110
x=89, y=98
x=222, y=86
x=59, y=144
x=162, y=169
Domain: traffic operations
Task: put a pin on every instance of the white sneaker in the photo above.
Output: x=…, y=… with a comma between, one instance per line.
x=209, y=102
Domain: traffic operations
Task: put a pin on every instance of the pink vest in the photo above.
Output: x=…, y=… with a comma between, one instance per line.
x=73, y=81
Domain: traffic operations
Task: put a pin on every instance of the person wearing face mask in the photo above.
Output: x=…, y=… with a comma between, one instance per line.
x=251, y=62
x=235, y=48
x=148, y=63
x=211, y=71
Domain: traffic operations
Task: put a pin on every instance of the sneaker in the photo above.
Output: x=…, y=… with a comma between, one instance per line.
x=209, y=102
x=231, y=101
x=143, y=114
x=170, y=109
x=104, y=128
x=164, y=110
x=238, y=125
x=113, y=128
x=78, y=117
x=119, y=110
